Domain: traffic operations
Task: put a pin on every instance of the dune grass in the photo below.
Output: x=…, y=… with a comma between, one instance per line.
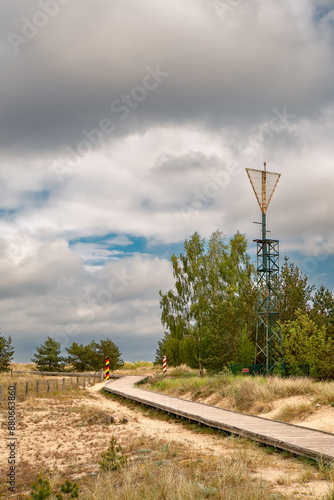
x=247, y=394
x=161, y=469
x=29, y=367
x=297, y=411
x=137, y=368
x=170, y=470
x=156, y=479
x=55, y=386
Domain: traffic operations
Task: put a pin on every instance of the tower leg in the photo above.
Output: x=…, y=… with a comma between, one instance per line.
x=269, y=356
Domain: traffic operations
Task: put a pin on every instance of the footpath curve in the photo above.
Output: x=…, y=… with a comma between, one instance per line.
x=311, y=443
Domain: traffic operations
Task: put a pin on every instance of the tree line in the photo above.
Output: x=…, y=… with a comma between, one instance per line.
x=48, y=358
x=210, y=315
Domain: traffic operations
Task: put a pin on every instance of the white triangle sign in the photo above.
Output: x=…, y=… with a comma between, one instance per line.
x=264, y=184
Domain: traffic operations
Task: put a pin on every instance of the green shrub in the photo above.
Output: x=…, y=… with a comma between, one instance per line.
x=42, y=490
x=113, y=458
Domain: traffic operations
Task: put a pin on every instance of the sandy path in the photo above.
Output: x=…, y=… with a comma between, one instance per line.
x=154, y=428
x=67, y=436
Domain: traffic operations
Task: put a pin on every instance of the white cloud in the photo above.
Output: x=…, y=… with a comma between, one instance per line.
x=173, y=165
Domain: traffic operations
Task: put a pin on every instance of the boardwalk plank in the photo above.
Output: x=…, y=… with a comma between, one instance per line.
x=296, y=439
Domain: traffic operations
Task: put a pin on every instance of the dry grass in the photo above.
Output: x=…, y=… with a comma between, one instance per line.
x=162, y=469
x=158, y=468
x=138, y=368
x=27, y=367
x=55, y=386
x=297, y=411
x=254, y=395
x=160, y=478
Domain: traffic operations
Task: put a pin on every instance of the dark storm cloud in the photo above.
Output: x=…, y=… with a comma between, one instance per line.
x=69, y=73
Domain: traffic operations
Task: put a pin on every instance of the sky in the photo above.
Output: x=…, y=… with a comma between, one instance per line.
x=126, y=126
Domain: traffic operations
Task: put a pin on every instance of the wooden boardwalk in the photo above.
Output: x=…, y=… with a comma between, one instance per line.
x=293, y=438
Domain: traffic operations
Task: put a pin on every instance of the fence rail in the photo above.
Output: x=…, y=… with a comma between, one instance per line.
x=46, y=385
x=287, y=371
x=61, y=383
x=42, y=373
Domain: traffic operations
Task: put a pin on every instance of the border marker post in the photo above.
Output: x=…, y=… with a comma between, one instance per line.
x=107, y=368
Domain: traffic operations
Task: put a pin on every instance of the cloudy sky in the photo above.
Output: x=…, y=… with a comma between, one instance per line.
x=125, y=126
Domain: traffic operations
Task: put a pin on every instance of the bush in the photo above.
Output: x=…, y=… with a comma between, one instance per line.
x=113, y=458
x=42, y=490
x=306, y=343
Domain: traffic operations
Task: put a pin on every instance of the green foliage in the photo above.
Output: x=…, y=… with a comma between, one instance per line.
x=306, y=343
x=79, y=357
x=295, y=292
x=92, y=356
x=213, y=301
x=210, y=314
x=244, y=348
x=40, y=490
x=6, y=353
x=71, y=490
x=107, y=348
x=113, y=458
x=183, y=309
x=160, y=352
x=322, y=312
x=48, y=356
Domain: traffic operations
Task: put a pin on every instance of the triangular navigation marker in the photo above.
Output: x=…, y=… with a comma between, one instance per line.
x=264, y=184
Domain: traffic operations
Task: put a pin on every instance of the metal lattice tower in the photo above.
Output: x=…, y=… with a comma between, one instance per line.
x=269, y=356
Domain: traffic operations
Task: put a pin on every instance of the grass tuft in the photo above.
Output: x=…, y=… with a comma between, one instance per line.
x=297, y=411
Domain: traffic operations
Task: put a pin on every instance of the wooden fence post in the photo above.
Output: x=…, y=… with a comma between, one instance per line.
x=11, y=373
x=56, y=384
x=27, y=384
x=0, y=392
x=77, y=379
x=83, y=383
x=71, y=380
x=94, y=377
x=89, y=379
x=63, y=384
x=47, y=386
x=37, y=383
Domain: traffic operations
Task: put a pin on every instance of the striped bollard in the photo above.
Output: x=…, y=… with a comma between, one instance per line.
x=107, y=368
x=164, y=366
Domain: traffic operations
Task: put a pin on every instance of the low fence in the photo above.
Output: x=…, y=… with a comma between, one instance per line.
x=288, y=371
x=99, y=374
x=64, y=381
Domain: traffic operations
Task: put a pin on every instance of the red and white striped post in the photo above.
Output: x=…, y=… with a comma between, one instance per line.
x=164, y=366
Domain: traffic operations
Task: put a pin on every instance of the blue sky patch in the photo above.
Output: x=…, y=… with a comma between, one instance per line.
x=97, y=250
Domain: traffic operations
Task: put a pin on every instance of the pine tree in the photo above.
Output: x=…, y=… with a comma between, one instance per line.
x=79, y=357
x=48, y=356
x=102, y=350
x=6, y=353
x=93, y=355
